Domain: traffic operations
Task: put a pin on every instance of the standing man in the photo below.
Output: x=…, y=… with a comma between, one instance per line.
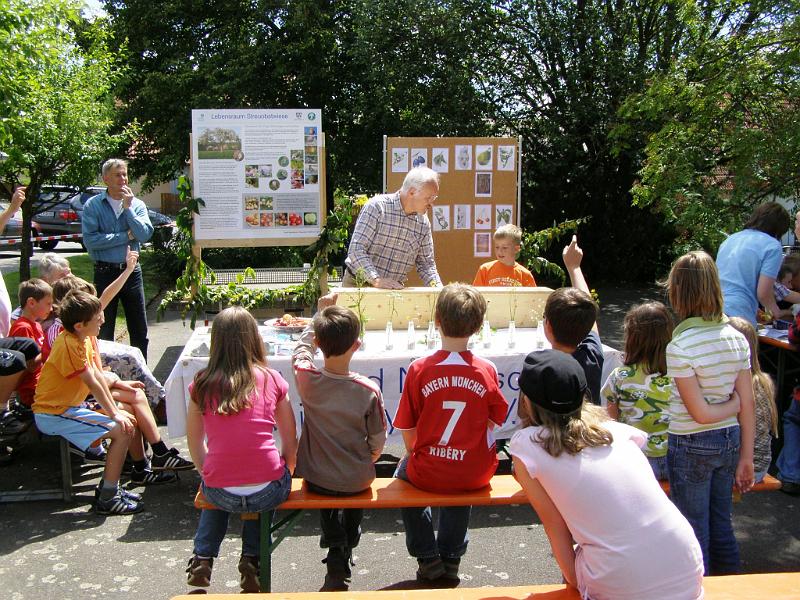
x=393, y=234
x=112, y=222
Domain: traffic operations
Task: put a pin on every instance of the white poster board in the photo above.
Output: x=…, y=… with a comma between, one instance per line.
x=260, y=173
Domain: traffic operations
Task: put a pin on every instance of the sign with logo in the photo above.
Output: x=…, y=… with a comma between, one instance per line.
x=260, y=174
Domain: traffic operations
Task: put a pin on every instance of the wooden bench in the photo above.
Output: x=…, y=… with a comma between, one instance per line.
x=775, y=586
x=64, y=492
x=386, y=492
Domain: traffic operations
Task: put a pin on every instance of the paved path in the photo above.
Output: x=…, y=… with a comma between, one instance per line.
x=59, y=550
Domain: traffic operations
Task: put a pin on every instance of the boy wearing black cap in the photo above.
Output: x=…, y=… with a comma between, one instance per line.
x=451, y=400
x=570, y=321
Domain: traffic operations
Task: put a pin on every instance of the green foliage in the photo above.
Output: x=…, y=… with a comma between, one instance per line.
x=374, y=67
x=535, y=244
x=58, y=126
x=194, y=295
x=557, y=72
x=723, y=123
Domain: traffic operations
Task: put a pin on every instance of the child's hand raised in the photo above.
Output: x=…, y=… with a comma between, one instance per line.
x=327, y=300
x=131, y=258
x=572, y=254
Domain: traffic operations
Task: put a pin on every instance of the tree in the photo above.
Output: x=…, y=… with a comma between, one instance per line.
x=60, y=129
x=374, y=68
x=558, y=71
x=723, y=121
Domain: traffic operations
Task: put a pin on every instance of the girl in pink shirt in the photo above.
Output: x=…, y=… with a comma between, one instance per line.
x=236, y=403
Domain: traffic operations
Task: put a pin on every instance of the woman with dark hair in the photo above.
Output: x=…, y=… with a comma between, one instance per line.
x=749, y=260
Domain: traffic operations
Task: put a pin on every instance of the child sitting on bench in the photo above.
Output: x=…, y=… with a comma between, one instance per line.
x=344, y=430
x=72, y=371
x=450, y=403
x=236, y=402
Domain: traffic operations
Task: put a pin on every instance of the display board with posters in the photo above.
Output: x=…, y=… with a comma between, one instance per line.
x=261, y=174
x=478, y=192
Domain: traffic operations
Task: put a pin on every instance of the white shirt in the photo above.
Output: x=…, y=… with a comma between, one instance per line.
x=633, y=543
x=116, y=205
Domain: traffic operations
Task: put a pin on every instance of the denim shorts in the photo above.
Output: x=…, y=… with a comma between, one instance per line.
x=80, y=426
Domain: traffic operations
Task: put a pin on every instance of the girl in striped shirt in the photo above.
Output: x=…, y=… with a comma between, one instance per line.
x=708, y=449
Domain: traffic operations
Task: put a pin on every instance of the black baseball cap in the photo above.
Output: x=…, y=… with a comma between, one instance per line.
x=553, y=380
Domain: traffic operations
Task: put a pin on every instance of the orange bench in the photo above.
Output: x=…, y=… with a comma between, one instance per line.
x=387, y=492
x=775, y=586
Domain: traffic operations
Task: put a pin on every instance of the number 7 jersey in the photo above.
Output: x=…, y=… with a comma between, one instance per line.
x=450, y=397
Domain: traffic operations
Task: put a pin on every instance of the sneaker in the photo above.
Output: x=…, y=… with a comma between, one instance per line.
x=11, y=424
x=132, y=496
x=150, y=477
x=790, y=487
x=117, y=505
x=451, y=568
x=248, y=575
x=95, y=456
x=171, y=461
x=199, y=571
x=338, y=565
x=430, y=569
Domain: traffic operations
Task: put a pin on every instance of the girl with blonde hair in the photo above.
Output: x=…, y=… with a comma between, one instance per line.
x=613, y=531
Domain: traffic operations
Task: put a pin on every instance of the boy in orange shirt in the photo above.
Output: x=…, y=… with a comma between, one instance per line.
x=36, y=301
x=505, y=271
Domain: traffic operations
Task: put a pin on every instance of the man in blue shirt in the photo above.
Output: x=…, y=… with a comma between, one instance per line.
x=112, y=222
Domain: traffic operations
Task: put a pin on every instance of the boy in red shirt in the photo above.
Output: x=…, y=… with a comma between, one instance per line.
x=505, y=271
x=450, y=403
x=36, y=301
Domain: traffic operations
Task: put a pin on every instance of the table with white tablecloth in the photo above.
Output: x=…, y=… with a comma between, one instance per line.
x=387, y=367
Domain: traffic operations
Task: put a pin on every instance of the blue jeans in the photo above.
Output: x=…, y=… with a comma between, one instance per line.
x=702, y=469
x=421, y=540
x=789, y=458
x=132, y=296
x=659, y=466
x=214, y=523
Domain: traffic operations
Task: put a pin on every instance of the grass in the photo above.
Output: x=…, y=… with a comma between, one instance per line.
x=82, y=267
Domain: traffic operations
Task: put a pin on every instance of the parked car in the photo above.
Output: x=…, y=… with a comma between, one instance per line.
x=59, y=210
x=13, y=230
x=54, y=214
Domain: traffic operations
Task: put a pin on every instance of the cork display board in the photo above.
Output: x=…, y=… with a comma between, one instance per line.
x=478, y=192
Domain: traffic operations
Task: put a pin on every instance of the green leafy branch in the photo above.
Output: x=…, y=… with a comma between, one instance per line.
x=536, y=243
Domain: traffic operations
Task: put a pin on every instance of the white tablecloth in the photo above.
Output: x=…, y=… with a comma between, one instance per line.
x=386, y=367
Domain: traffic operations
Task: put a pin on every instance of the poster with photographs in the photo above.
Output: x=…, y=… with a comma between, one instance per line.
x=505, y=158
x=483, y=244
x=502, y=215
x=463, y=157
x=483, y=216
x=258, y=171
x=441, y=218
x=440, y=160
x=461, y=214
x=400, y=160
x=483, y=157
x=483, y=185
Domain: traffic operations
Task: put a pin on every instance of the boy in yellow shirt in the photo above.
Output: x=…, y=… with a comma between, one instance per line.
x=505, y=271
x=69, y=375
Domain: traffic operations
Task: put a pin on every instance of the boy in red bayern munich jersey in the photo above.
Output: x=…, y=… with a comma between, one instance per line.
x=451, y=401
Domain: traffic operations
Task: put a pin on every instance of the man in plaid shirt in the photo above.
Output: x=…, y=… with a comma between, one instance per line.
x=393, y=234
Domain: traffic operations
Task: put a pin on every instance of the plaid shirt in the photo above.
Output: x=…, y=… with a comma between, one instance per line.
x=387, y=242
